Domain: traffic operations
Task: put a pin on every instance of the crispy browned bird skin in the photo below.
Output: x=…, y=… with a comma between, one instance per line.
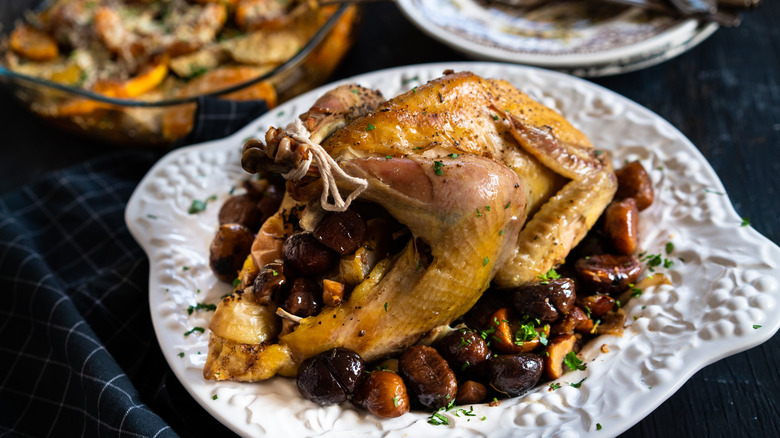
x=514, y=155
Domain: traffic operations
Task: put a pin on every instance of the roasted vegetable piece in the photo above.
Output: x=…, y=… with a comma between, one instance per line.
x=306, y=256
x=545, y=300
x=228, y=250
x=621, y=224
x=342, y=232
x=240, y=209
x=557, y=349
x=608, y=274
x=33, y=44
x=383, y=393
x=330, y=377
x=634, y=182
x=428, y=376
x=514, y=374
x=465, y=351
x=471, y=392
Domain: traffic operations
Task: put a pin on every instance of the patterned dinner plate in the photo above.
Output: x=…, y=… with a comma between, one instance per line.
x=585, y=38
x=723, y=298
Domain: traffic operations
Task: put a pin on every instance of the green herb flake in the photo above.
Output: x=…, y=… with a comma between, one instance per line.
x=669, y=247
x=214, y=397
x=438, y=419
x=181, y=354
x=598, y=426
x=151, y=216
x=370, y=127
x=194, y=329
x=573, y=362
x=543, y=338
x=578, y=384
x=395, y=400
x=483, y=418
x=478, y=213
x=355, y=90
x=437, y=165
x=198, y=206
x=387, y=157
x=201, y=306
x=714, y=192
x=554, y=386
x=419, y=265
x=484, y=263
x=385, y=307
x=236, y=282
x=598, y=152
x=280, y=114
x=454, y=155
x=507, y=205
x=745, y=222
x=185, y=268
x=495, y=117
x=500, y=232
x=487, y=207
x=756, y=326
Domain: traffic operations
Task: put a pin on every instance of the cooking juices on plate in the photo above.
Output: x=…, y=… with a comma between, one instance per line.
x=453, y=245
x=157, y=51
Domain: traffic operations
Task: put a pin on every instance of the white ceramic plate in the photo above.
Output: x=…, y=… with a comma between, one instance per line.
x=728, y=284
x=564, y=35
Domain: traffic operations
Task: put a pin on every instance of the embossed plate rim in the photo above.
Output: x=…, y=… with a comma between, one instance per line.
x=679, y=38
x=175, y=243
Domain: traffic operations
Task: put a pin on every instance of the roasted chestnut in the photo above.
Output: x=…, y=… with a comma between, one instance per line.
x=306, y=256
x=634, y=182
x=465, y=351
x=330, y=377
x=607, y=274
x=383, y=393
x=304, y=298
x=545, y=300
x=428, y=375
x=514, y=374
x=231, y=245
x=342, y=232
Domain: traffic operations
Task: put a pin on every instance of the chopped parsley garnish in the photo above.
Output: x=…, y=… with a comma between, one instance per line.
x=598, y=426
x=181, y=354
x=151, y=216
x=543, y=338
x=669, y=247
x=197, y=205
x=214, y=397
x=478, y=213
x=387, y=157
x=453, y=155
x=419, y=265
x=201, y=306
x=525, y=333
x=495, y=117
x=573, y=362
x=437, y=165
x=598, y=152
x=484, y=263
x=370, y=127
x=655, y=260
x=483, y=418
x=500, y=232
x=552, y=274
x=354, y=90
x=469, y=413
x=274, y=273
x=487, y=207
x=395, y=400
x=756, y=326
x=635, y=291
x=194, y=329
x=714, y=192
x=745, y=222
x=236, y=282
x=507, y=205
x=185, y=268
x=465, y=365
x=578, y=384
x=554, y=386
x=438, y=419
x=385, y=307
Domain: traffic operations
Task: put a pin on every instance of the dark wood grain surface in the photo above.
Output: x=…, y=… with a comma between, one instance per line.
x=724, y=95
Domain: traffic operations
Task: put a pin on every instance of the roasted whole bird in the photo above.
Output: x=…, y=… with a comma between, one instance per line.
x=478, y=182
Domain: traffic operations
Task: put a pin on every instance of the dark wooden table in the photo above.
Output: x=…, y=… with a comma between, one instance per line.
x=724, y=95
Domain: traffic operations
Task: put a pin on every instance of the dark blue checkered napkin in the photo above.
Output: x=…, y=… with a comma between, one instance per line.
x=78, y=355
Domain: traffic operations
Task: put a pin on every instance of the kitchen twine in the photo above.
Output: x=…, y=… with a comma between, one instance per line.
x=327, y=166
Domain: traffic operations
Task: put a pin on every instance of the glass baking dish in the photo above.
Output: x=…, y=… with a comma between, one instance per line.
x=160, y=118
